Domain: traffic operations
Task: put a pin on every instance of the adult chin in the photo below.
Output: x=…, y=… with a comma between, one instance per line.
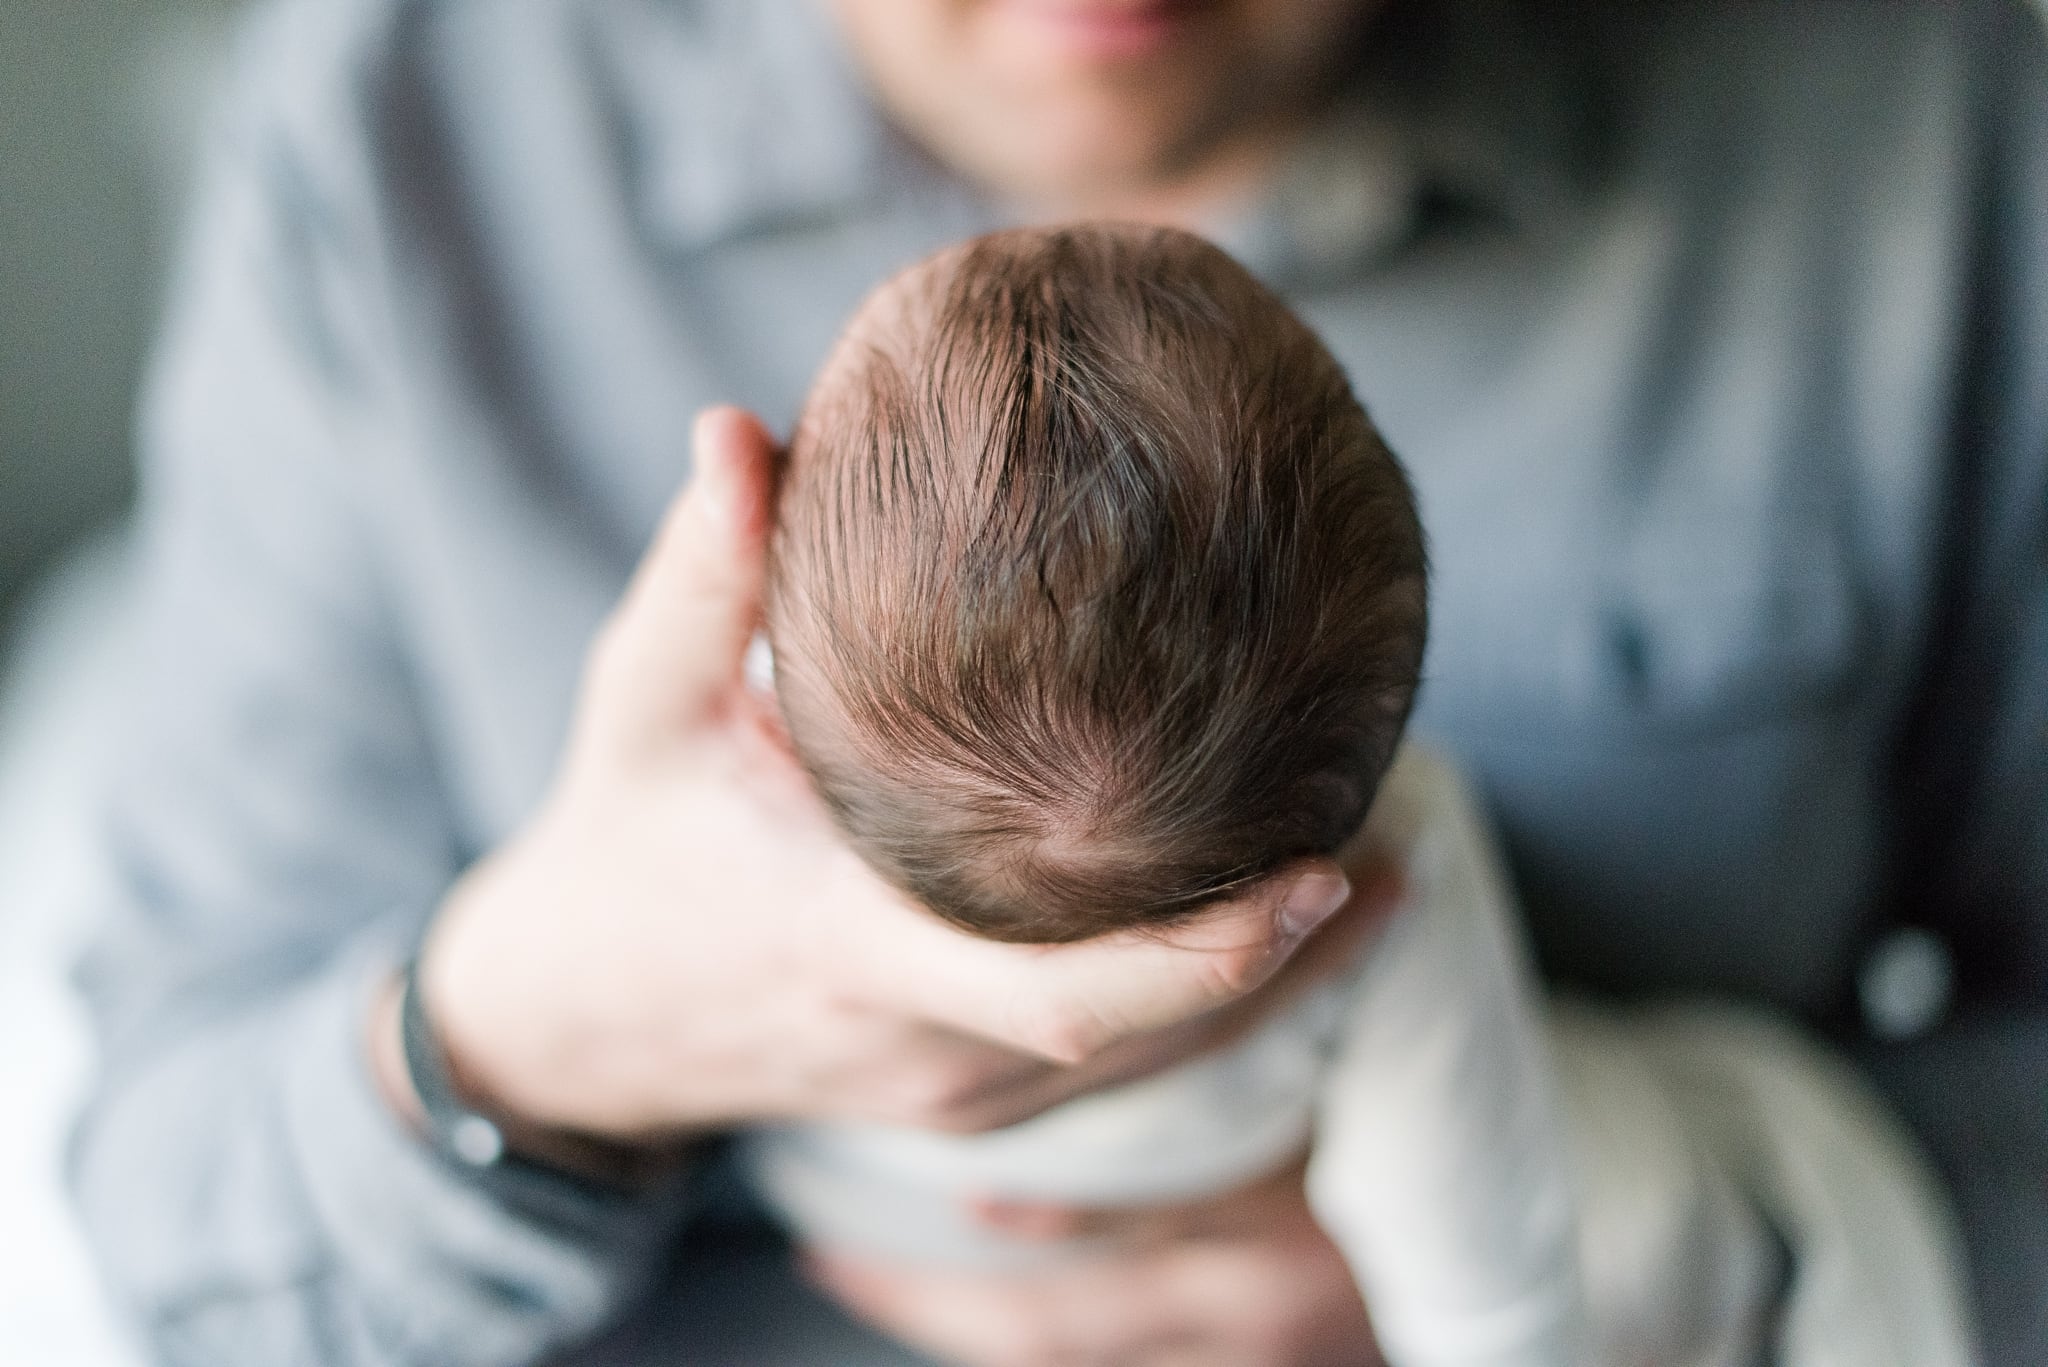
x=1081, y=100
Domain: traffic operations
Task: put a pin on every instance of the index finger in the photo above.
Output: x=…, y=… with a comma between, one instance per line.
x=1065, y=1002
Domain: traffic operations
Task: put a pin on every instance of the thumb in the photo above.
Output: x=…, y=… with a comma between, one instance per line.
x=672, y=650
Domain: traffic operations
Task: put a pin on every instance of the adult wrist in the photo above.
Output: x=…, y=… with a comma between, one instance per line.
x=475, y=1133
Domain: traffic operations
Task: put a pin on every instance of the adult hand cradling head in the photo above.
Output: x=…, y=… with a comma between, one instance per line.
x=680, y=941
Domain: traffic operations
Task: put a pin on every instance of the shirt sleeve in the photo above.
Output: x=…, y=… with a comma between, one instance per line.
x=275, y=831
x=1440, y=1165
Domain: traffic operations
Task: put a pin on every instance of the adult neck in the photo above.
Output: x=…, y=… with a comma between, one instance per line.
x=1195, y=197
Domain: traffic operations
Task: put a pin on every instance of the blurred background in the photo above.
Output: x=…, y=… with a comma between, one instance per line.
x=100, y=103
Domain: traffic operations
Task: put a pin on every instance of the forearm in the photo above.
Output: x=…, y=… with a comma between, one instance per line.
x=256, y=1200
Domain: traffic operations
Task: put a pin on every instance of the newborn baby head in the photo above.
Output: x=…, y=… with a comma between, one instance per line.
x=1095, y=597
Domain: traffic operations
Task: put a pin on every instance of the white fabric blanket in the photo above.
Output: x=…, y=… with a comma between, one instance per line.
x=1464, y=1142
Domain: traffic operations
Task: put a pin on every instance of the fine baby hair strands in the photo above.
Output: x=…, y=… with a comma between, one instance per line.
x=1094, y=593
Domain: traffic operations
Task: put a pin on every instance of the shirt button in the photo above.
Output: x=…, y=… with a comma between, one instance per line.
x=1905, y=984
x=476, y=1141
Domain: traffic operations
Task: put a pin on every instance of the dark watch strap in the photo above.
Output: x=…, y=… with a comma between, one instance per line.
x=479, y=1145
x=468, y=1137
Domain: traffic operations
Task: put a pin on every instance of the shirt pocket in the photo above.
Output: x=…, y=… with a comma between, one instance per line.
x=1694, y=614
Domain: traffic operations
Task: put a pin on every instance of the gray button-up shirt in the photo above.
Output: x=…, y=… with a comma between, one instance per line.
x=1715, y=337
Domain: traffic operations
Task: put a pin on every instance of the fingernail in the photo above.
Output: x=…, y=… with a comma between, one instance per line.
x=1314, y=899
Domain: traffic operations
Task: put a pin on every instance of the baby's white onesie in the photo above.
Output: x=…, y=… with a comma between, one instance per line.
x=1433, y=1098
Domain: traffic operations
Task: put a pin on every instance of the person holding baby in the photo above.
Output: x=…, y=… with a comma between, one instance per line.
x=1719, y=387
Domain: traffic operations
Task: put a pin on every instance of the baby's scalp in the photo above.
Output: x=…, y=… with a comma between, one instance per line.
x=1094, y=594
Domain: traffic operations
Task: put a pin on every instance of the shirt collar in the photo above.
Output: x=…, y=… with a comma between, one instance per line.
x=744, y=117
x=1470, y=105
x=1501, y=103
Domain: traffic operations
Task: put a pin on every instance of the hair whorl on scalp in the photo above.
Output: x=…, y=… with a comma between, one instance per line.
x=1094, y=593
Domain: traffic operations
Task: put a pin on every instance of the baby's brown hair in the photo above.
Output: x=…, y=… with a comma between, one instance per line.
x=1094, y=594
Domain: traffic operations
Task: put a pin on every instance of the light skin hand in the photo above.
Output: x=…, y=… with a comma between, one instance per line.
x=679, y=941
x=1245, y=1279
x=1377, y=889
